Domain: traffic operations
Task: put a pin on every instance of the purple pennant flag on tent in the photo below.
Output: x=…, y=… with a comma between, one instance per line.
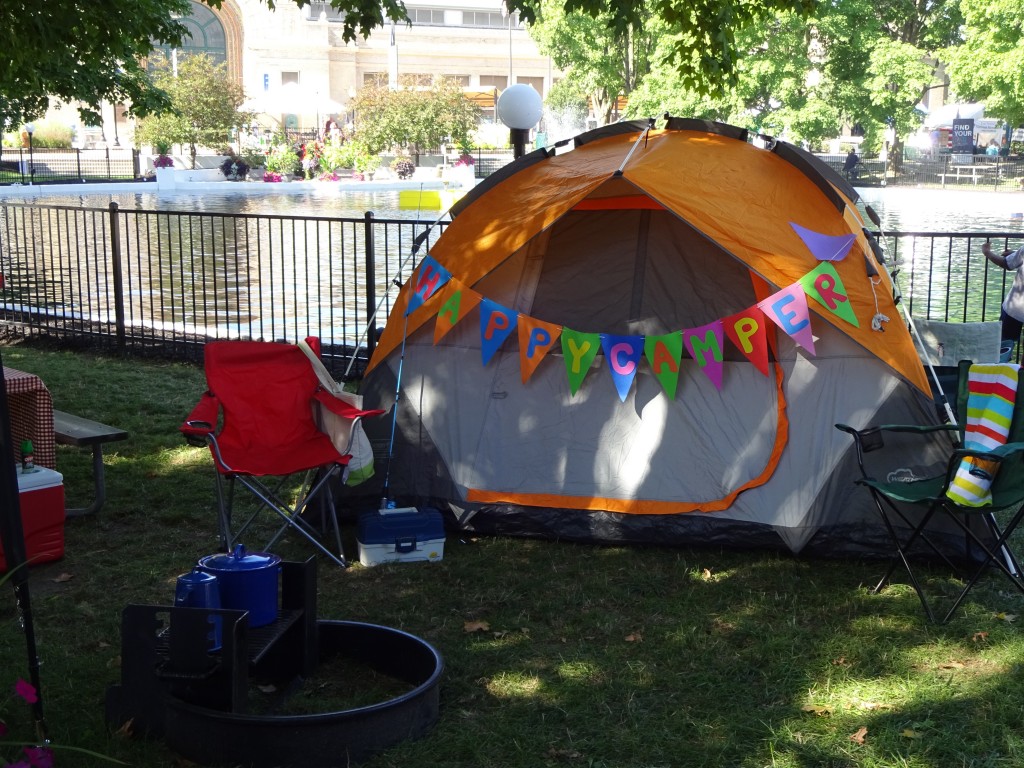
x=705, y=347
x=430, y=278
x=623, y=354
x=825, y=247
x=496, y=324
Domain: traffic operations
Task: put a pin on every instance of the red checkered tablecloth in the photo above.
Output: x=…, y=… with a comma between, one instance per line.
x=31, y=416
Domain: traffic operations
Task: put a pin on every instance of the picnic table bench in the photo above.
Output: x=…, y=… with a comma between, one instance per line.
x=69, y=429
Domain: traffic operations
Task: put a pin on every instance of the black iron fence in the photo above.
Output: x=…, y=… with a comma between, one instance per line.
x=916, y=169
x=142, y=281
x=58, y=165
x=162, y=282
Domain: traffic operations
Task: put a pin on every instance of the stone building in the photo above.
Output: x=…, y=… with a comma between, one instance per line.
x=297, y=70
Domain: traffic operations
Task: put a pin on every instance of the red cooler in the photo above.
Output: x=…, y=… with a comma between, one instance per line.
x=41, y=497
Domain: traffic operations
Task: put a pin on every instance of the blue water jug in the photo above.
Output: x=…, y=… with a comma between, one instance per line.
x=199, y=589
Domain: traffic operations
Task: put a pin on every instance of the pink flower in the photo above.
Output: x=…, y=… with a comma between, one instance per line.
x=39, y=757
x=26, y=691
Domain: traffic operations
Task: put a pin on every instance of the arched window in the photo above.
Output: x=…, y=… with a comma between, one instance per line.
x=205, y=35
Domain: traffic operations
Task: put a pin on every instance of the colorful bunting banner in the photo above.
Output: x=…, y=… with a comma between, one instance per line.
x=663, y=354
x=788, y=310
x=430, y=278
x=536, y=339
x=496, y=325
x=825, y=285
x=623, y=354
x=456, y=302
x=579, y=350
x=748, y=331
x=825, y=247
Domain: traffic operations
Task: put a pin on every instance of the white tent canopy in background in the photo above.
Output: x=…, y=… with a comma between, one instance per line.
x=291, y=98
x=943, y=117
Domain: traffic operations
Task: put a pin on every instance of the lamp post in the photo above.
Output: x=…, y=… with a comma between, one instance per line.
x=117, y=142
x=520, y=108
x=31, y=129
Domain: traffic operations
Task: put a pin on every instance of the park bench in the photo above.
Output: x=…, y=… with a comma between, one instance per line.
x=69, y=429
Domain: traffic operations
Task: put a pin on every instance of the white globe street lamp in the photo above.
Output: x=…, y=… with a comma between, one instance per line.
x=520, y=108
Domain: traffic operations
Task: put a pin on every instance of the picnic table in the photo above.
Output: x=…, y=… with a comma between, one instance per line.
x=31, y=413
x=974, y=171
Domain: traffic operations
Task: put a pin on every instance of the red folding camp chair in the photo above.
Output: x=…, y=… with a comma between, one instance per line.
x=258, y=419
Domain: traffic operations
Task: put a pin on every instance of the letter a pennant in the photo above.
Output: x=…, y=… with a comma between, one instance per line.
x=429, y=280
x=705, y=346
x=825, y=285
x=579, y=349
x=457, y=301
x=748, y=330
x=788, y=310
x=663, y=353
x=496, y=324
x=623, y=354
x=536, y=338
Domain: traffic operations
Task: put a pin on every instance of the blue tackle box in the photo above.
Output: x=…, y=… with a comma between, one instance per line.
x=402, y=535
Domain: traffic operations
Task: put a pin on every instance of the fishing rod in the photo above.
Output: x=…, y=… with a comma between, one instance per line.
x=898, y=297
x=395, y=281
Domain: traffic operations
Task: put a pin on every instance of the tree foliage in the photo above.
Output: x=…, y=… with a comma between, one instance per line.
x=702, y=47
x=88, y=53
x=989, y=66
x=600, y=59
x=412, y=117
x=204, y=102
x=852, y=62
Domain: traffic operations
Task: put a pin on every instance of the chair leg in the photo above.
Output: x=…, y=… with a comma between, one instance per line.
x=999, y=554
x=292, y=515
x=901, y=555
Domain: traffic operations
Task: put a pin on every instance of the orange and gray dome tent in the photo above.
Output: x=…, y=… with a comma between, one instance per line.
x=648, y=336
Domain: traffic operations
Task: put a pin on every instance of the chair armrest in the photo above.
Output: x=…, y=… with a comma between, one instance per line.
x=871, y=438
x=203, y=419
x=340, y=407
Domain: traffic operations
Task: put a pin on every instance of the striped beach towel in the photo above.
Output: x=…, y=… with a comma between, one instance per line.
x=991, y=393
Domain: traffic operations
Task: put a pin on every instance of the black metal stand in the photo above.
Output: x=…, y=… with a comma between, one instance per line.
x=165, y=653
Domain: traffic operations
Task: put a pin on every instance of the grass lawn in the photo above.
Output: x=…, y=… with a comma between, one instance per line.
x=556, y=654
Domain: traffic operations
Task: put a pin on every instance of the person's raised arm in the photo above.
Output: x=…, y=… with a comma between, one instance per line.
x=999, y=259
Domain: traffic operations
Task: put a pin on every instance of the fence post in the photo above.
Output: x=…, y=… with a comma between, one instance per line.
x=78, y=165
x=136, y=165
x=115, y=263
x=371, y=283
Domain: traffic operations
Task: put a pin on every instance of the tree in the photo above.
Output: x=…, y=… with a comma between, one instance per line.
x=601, y=60
x=989, y=66
x=92, y=52
x=412, y=117
x=204, y=102
x=703, y=48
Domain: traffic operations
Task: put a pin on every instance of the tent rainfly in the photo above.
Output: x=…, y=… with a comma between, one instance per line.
x=648, y=336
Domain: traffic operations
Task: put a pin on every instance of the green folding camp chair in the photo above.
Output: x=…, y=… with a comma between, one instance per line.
x=1001, y=469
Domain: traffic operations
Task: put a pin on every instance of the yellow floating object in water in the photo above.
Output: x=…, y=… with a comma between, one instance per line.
x=437, y=199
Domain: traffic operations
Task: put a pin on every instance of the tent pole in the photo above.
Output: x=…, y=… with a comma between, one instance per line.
x=641, y=137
